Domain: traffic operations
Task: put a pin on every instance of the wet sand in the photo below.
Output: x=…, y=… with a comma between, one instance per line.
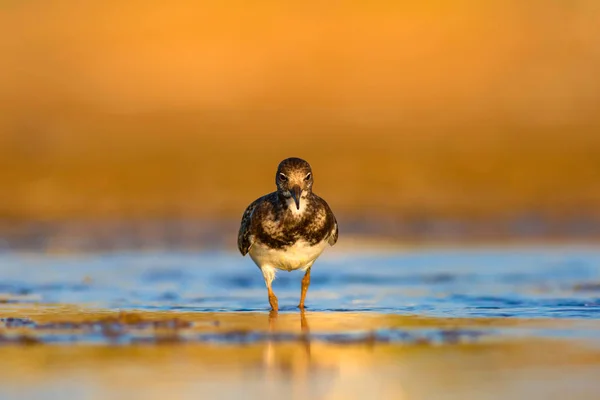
x=50, y=352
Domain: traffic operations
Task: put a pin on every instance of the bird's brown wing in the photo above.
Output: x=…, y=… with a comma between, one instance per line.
x=245, y=237
x=333, y=237
x=332, y=222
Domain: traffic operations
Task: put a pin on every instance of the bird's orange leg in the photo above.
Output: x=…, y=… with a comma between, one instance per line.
x=305, y=285
x=269, y=275
x=272, y=299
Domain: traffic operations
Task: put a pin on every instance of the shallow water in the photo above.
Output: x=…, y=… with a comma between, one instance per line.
x=554, y=282
x=521, y=322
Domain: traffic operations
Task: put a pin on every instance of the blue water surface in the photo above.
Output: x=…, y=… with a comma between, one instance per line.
x=528, y=282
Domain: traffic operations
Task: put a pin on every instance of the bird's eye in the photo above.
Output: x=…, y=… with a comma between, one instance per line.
x=282, y=178
x=308, y=177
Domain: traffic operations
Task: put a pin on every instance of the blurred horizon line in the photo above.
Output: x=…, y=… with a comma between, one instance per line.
x=89, y=235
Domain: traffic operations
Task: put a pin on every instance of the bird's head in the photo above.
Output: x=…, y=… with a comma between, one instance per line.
x=294, y=179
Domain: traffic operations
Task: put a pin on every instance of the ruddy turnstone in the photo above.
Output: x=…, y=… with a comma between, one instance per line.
x=289, y=228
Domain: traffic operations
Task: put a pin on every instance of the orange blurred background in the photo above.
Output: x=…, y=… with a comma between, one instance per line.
x=139, y=110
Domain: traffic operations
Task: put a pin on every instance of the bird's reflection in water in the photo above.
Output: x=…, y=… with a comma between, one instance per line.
x=292, y=363
x=287, y=360
x=303, y=368
x=306, y=368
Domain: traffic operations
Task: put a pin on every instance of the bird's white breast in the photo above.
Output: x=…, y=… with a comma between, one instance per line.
x=301, y=255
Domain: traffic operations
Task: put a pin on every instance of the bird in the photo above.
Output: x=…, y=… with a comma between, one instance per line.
x=289, y=228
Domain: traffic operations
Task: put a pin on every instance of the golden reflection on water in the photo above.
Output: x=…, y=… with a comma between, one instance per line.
x=300, y=368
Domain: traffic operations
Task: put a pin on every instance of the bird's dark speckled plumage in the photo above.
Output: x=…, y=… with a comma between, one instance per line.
x=270, y=221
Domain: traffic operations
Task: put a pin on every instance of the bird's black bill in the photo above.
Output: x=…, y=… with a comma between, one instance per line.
x=296, y=192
